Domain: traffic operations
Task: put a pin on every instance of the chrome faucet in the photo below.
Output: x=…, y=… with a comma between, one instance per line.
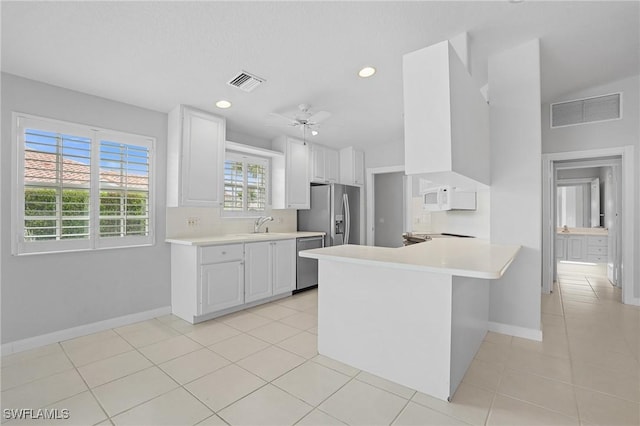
x=261, y=221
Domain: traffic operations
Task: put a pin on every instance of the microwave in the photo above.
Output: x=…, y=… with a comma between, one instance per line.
x=443, y=198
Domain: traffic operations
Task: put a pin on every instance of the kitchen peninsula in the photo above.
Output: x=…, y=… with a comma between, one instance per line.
x=415, y=315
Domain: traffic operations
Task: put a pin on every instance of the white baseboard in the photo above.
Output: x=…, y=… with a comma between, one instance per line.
x=81, y=330
x=635, y=301
x=514, y=330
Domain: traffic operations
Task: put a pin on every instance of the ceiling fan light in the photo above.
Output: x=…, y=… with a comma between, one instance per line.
x=367, y=72
x=223, y=104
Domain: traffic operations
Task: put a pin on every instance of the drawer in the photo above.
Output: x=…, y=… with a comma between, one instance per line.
x=596, y=258
x=217, y=254
x=602, y=251
x=597, y=241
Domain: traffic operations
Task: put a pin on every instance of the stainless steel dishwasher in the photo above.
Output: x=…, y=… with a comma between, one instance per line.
x=307, y=269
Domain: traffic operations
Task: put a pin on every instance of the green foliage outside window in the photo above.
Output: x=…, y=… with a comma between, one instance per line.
x=42, y=221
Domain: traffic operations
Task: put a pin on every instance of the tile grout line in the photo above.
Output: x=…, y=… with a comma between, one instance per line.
x=104, y=411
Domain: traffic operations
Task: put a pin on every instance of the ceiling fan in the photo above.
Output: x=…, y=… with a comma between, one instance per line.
x=305, y=120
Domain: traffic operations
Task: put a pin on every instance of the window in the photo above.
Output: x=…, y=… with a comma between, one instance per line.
x=80, y=188
x=245, y=185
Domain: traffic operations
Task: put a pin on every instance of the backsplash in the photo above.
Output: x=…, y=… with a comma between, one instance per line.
x=474, y=223
x=201, y=221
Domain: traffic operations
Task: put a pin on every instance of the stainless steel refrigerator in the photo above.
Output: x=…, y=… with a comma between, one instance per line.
x=335, y=210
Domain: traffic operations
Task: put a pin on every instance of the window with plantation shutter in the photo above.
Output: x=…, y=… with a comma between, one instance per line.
x=124, y=189
x=80, y=188
x=245, y=185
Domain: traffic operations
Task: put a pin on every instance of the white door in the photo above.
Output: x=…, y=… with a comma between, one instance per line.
x=284, y=266
x=258, y=271
x=222, y=286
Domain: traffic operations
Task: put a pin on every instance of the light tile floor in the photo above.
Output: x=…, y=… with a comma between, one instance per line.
x=261, y=367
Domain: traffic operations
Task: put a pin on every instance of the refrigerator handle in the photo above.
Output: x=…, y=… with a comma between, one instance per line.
x=347, y=218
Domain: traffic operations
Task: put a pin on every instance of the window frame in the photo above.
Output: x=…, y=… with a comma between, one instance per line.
x=21, y=122
x=248, y=158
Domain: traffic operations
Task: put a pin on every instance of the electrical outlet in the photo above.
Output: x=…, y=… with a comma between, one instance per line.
x=278, y=220
x=193, y=221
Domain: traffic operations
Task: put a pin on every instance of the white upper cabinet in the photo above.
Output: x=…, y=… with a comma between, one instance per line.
x=325, y=164
x=332, y=165
x=291, y=175
x=446, y=118
x=351, y=166
x=195, y=158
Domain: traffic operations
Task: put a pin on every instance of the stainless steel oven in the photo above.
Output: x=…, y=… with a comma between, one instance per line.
x=307, y=269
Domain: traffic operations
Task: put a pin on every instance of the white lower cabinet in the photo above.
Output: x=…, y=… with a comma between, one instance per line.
x=258, y=271
x=209, y=281
x=284, y=266
x=576, y=248
x=582, y=248
x=222, y=286
x=269, y=269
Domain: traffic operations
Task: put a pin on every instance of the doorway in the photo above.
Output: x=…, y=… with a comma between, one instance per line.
x=588, y=214
x=618, y=162
x=386, y=206
x=388, y=211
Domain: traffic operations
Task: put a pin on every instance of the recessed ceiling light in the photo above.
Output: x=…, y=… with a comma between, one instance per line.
x=314, y=132
x=367, y=72
x=223, y=104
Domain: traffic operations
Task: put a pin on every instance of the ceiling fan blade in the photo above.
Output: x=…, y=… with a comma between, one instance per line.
x=319, y=117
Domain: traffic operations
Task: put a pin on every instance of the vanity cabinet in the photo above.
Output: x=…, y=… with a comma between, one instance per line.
x=582, y=248
x=351, y=166
x=291, y=175
x=325, y=164
x=269, y=269
x=576, y=248
x=597, y=249
x=571, y=247
x=195, y=158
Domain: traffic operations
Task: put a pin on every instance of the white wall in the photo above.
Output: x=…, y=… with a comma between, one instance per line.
x=607, y=134
x=51, y=292
x=383, y=155
x=514, y=86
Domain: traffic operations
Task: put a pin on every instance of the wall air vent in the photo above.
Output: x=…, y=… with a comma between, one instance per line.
x=588, y=110
x=246, y=81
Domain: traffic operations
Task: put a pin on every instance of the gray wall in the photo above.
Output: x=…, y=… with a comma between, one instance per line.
x=514, y=94
x=389, y=209
x=51, y=292
x=607, y=134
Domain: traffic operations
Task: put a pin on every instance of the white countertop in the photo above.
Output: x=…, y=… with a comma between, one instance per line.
x=212, y=240
x=583, y=231
x=466, y=257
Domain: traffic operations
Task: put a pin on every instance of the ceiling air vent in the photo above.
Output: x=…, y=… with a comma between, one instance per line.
x=588, y=110
x=246, y=81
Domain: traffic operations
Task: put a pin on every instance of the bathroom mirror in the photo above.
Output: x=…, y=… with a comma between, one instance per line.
x=578, y=203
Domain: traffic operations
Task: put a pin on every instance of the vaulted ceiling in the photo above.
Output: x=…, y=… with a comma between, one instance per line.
x=159, y=54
